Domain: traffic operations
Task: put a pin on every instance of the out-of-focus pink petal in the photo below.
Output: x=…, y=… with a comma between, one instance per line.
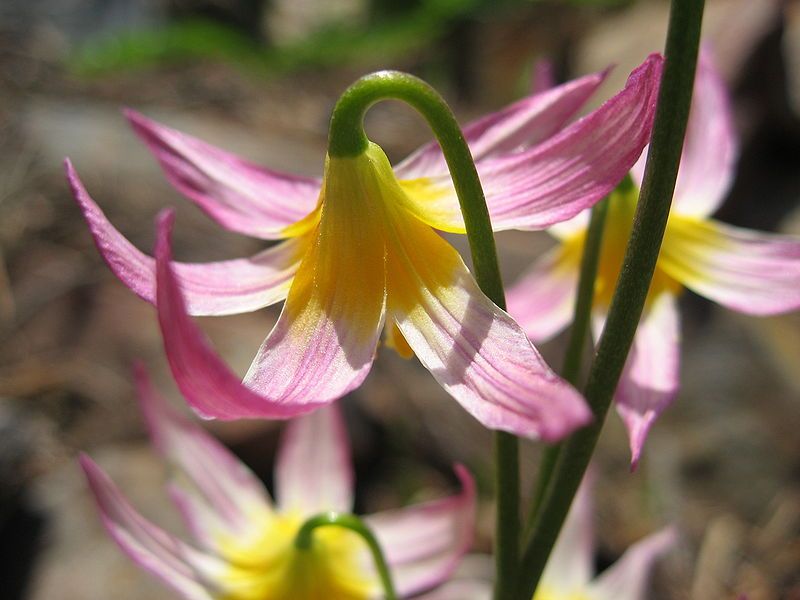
x=188, y=571
x=206, y=382
x=314, y=471
x=748, y=271
x=627, y=578
x=520, y=125
x=324, y=342
x=424, y=543
x=711, y=146
x=543, y=76
x=216, y=288
x=237, y=194
x=651, y=377
x=543, y=300
x=566, y=174
x=571, y=564
x=216, y=492
x=472, y=580
x=476, y=351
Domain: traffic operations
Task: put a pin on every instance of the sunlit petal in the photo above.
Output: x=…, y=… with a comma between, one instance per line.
x=520, y=125
x=476, y=351
x=562, y=176
x=239, y=195
x=216, y=288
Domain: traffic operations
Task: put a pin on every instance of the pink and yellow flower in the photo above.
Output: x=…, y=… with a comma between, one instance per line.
x=748, y=271
x=569, y=574
x=245, y=544
x=361, y=255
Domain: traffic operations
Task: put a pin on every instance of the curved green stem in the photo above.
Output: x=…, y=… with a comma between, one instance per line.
x=305, y=539
x=577, y=336
x=347, y=138
x=661, y=171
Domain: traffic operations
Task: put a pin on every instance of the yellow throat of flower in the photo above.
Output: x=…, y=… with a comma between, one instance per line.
x=619, y=223
x=270, y=567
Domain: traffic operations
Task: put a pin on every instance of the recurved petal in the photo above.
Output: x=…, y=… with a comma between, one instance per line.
x=748, y=271
x=471, y=581
x=324, y=342
x=543, y=300
x=562, y=176
x=571, y=564
x=237, y=194
x=627, y=578
x=518, y=126
x=314, y=471
x=651, y=376
x=215, y=288
x=188, y=571
x=711, y=147
x=424, y=543
x=475, y=350
x=215, y=491
x=207, y=383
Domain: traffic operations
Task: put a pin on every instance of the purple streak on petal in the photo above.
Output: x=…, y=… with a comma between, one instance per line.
x=745, y=270
x=314, y=471
x=217, y=288
x=424, y=543
x=188, y=571
x=542, y=300
x=216, y=491
x=627, y=578
x=236, y=193
x=518, y=126
x=207, y=383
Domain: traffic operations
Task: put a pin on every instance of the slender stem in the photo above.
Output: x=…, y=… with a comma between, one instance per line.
x=578, y=334
x=305, y=539
x=347, y=138
x=661, y=170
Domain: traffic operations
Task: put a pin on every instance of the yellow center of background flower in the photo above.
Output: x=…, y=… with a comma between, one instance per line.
x=270, y=567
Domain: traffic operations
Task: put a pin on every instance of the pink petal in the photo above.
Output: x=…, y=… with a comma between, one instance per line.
x=520, y=125
x=217, y=288
x=424, y=543
x=187, y=571
x=218, y=494
x=571, y=564
x=543, y=300
x=472, y=580
x=314, y=471
x=566, y=174
x=324, y=342
x=711, y=147
x=476, y=351
x=651, y=377
x=205, y=380
x=748, y=271
x=627, y=578
x=237, y=194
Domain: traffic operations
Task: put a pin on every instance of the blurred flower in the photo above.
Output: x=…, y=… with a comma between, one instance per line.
x=747, y=271
x=245, y=546
x=569, y=571
x=361, y=252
